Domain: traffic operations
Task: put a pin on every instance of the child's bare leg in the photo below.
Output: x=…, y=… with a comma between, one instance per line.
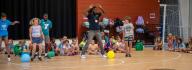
x=130, y=47
x=126, y=47
x=7, y=47
x=34, y=49
x=40, y=49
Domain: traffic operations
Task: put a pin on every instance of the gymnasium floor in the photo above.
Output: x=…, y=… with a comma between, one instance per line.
x=140, y=60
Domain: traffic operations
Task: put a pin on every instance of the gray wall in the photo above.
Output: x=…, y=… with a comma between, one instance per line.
x=190, y=18
x=184, y=19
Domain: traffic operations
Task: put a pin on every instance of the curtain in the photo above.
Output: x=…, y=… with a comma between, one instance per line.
x=62, y=13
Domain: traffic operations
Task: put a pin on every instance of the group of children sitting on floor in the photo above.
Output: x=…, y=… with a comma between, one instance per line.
x=67, y=48
x=174, y=44
x=64, y=48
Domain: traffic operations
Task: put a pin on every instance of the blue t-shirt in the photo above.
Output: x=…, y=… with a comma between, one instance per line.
x=46, y=25
x=3, y=27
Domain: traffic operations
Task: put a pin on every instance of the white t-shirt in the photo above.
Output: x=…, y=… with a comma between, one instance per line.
x=67, y=46
x=36, y=31
x=128, y=29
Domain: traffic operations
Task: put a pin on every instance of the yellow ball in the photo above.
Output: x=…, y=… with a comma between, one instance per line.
x=110, y=54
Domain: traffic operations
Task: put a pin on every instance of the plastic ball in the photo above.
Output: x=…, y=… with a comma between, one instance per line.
x=16, y=50
x=105, y=21
x=82, y=44
x=86, y=24
x=111, y=54
x=114, y=41
x=139, y=30
x=139, y=46
x=25, y=57
x=51, y=54
x=140, y=20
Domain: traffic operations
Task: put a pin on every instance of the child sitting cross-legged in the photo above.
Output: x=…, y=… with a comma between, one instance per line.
x=93, y=48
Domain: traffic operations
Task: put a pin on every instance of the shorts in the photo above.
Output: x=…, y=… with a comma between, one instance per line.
x=37, y=40
x=129, y=38
x=3, y=37
x=47, y=39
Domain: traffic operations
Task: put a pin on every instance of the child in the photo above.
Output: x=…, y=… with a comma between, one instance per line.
x=170, y=42
x=24, y=47
x=175, y=42
x=65, y=38
x=158, y=44
x=11, y=46
x=75, y=46
x=93, y=48
x=128, y=36
x=60, y=47
x=189, y=46
x=119, y=46
x=46, y=25
x=4, y=24
x=68, y=50
x=36, y=37
x=54, y=46
x=109, y=45
x=20, y=47
x=181, y=45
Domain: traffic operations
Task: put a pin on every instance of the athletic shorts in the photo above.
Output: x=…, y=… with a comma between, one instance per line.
x=129, y=38
x=47, y=39
x=37, y=40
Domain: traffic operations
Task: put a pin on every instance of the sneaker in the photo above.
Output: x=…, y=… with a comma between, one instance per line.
x=32, y=58
x=45, y=54
x=128, y=55
x=9, y=59
x=40, y=59
x=104, y=56
x=6, y=53
x=83, y=56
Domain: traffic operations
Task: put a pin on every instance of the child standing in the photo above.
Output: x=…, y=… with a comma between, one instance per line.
x=128, y=36
x=46, y=25
x=36, y=37
x=4, y=24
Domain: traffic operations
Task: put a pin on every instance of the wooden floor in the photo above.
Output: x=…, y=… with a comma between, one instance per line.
x=140, y=60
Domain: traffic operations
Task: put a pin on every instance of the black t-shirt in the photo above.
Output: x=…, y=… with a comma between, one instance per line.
x=92, y=18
